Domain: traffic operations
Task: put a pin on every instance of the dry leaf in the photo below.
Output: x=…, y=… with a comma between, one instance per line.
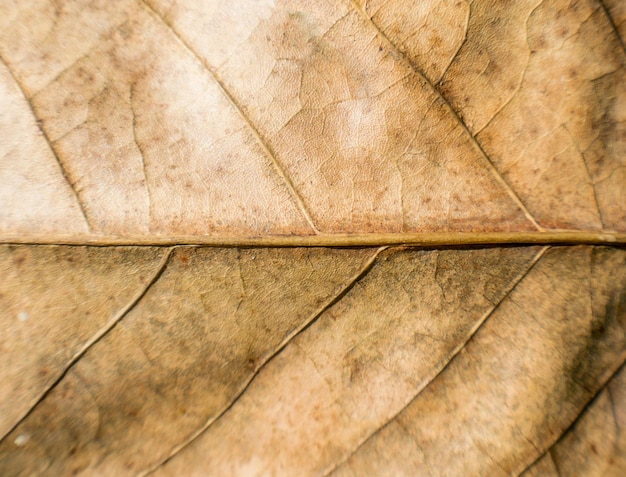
x=135, y=133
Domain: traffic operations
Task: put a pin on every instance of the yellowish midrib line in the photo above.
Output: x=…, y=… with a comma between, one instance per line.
x=430, y=239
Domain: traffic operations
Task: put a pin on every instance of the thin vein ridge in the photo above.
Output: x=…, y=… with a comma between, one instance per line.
x=104, y=331
x=347, y=287
x=580, y=415
x=81, y=206
x=261, y=141
x=443, y=367
x=613, y=25
x=417, y=70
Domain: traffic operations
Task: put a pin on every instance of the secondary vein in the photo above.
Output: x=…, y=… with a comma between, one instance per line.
x=443, y=366
x=195, y=435
x=271, y=155
x=579, y=416
x=81, y=206
x=399, y=54
x=99, y=335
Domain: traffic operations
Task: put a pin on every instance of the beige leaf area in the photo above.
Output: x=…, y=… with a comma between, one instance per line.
x=261, y=117
x=393, y=361
x=312, y=238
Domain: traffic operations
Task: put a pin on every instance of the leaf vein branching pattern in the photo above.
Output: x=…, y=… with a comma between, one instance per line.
x=612, y=404
x=99, y=335
x=456, y=53
x=350, y=284
x=508, y=101
x=261, y=141
x=398, y=54
x=618, y=368
x=443, y=365
x=75, y=192
x=94, y=399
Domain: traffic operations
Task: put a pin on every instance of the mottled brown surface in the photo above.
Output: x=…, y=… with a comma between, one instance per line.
x=131, y=127
x=479, y=358
x=52, y=300
x=526, y=375
x=285, y=117
x=595, y=445
x=541, y=90
x=175, y=360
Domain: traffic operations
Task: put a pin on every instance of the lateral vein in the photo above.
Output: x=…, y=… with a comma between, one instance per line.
x=398, y=54
x=286, y=341
x=442, y=367
x=101, y=333
x=81, y=206
x=613, y=25
x=580, y=415
x=255, y=132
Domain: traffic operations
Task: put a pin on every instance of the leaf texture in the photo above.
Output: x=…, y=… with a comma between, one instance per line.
x=508, y=74
x=616, y=12
x=417, y=218
x=53, y=300
x=324, y=117
x=594, y=445
x=488, y=340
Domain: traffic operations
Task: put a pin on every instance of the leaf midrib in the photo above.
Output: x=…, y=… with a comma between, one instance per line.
x=417, y=239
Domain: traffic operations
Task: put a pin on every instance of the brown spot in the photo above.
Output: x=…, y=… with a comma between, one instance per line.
x=435, y=40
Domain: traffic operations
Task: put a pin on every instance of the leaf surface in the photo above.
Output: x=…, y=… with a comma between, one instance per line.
x=594, y=445
x=325, y=118
x=416, y=213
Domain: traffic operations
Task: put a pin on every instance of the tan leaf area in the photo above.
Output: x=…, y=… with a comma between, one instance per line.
x=173, y=362
x=616, y=11
x=539, y=89
x=534, y=365
x=392, y=360
x=325, y=237
x=595, y=445
x=281, y=117
x=53, y=301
